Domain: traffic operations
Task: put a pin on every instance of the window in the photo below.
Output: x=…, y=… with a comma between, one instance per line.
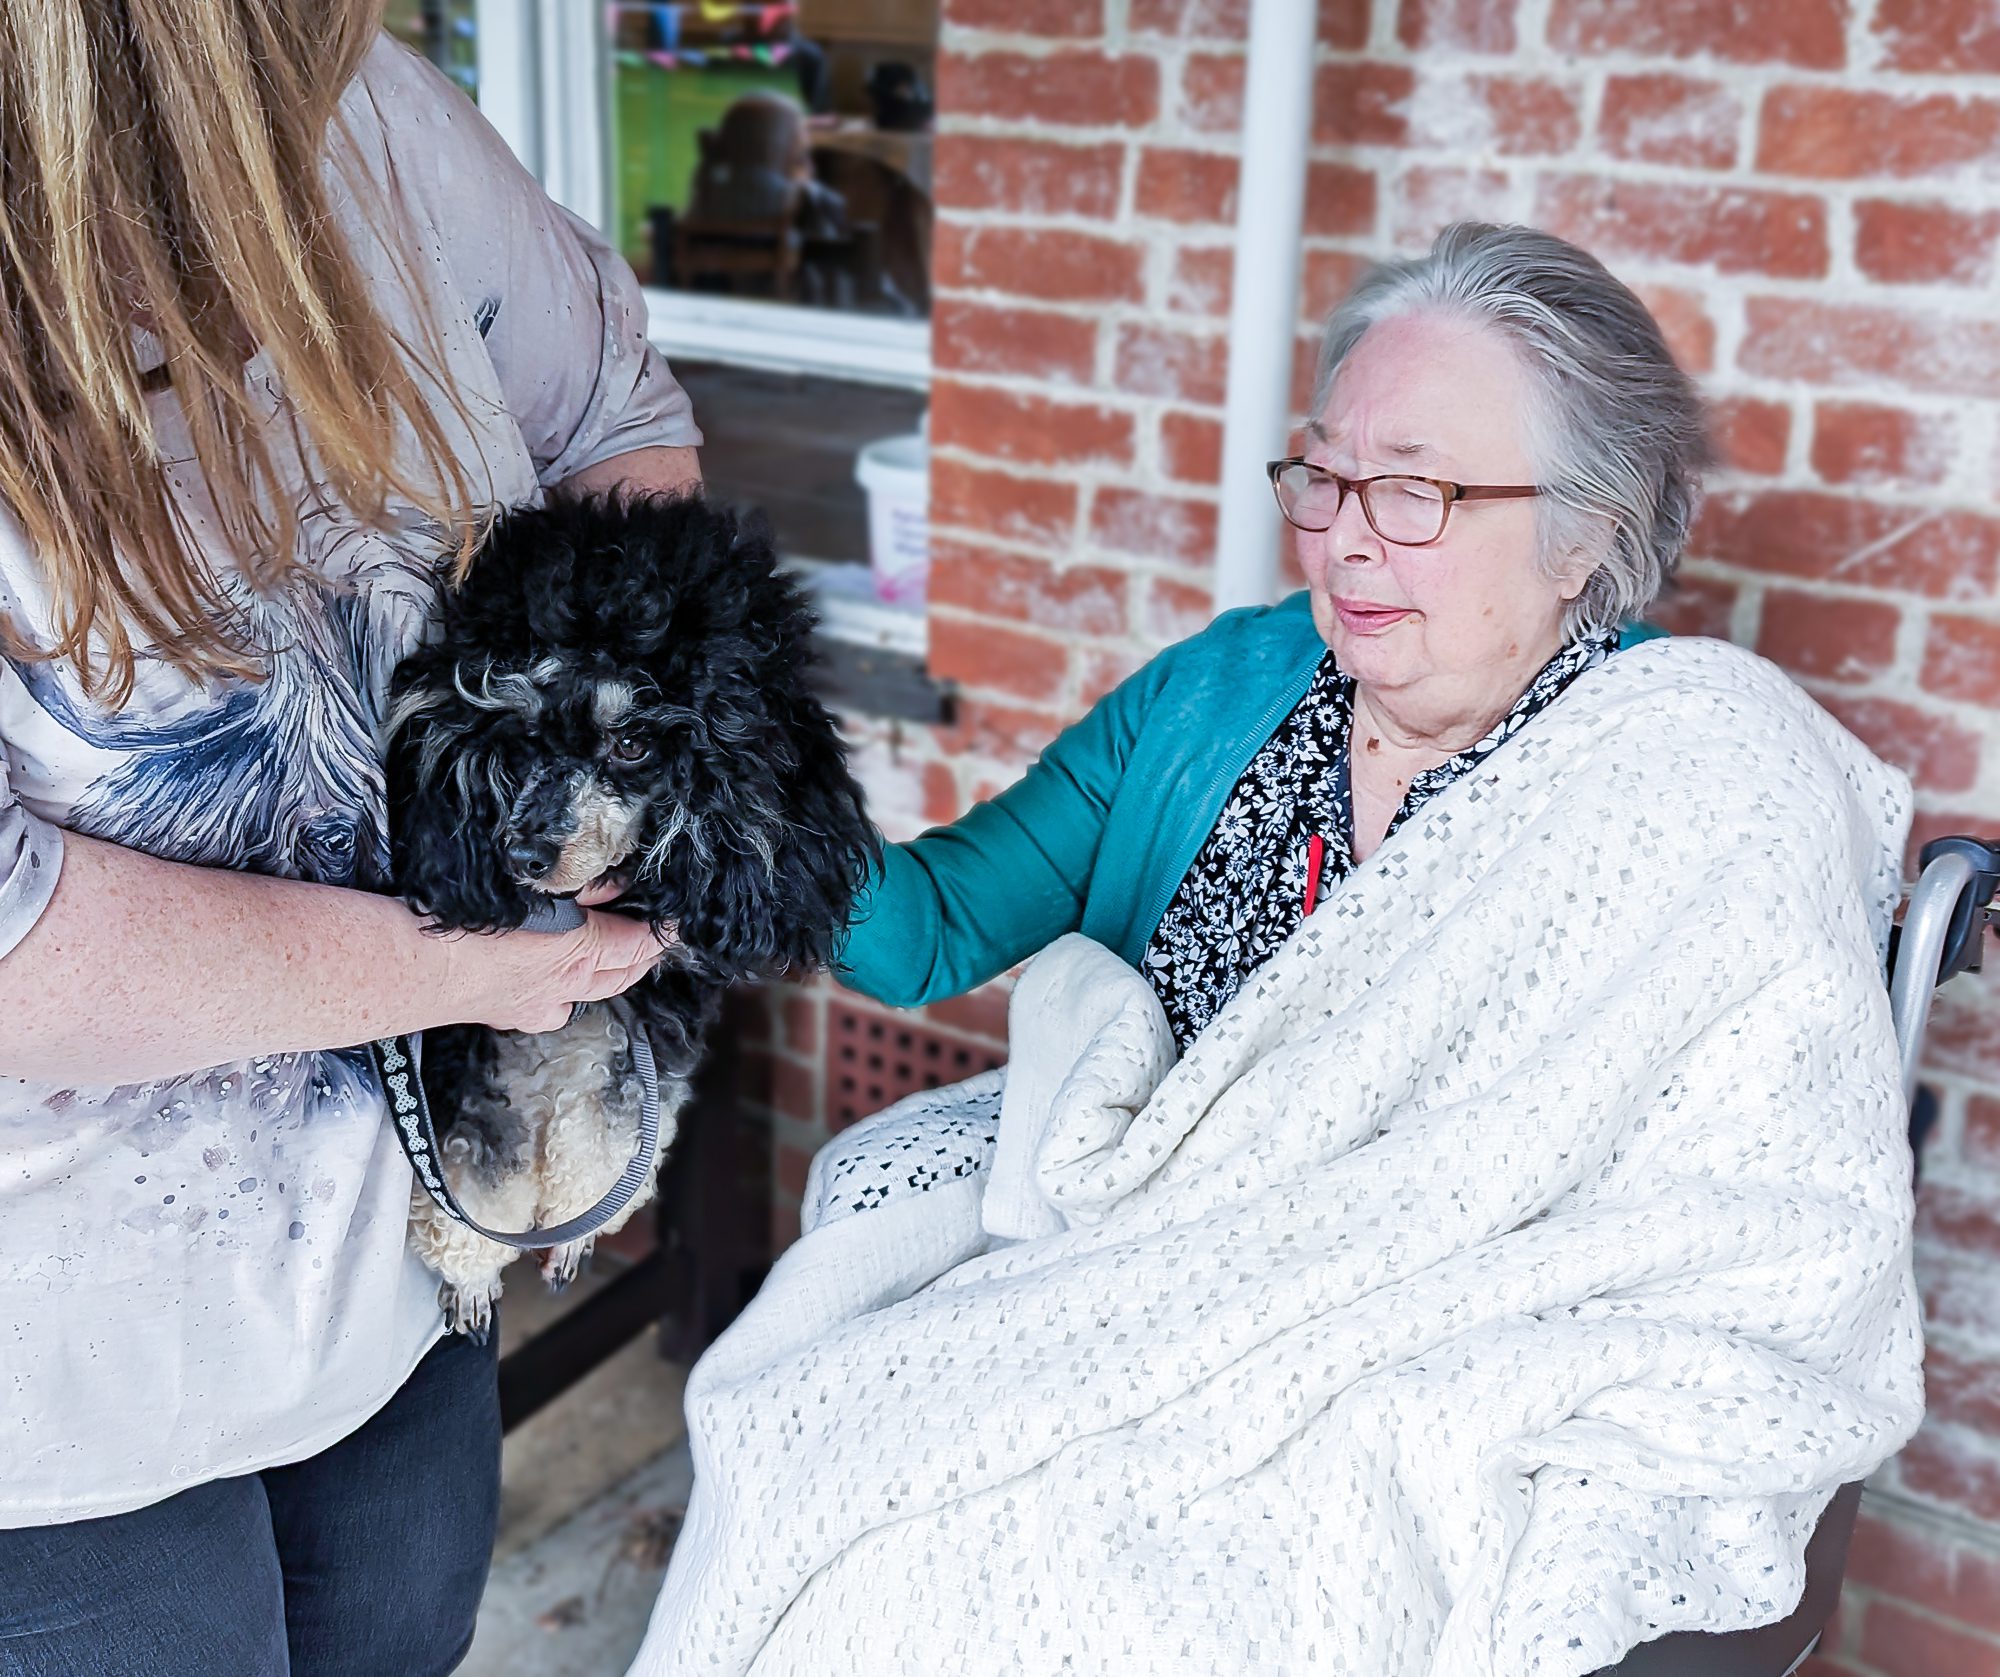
x=766, y=170
x=770, y=444
x=444, y=31
x=776, y=152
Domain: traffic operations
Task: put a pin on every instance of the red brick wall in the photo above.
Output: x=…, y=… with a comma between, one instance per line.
x=1806, y=191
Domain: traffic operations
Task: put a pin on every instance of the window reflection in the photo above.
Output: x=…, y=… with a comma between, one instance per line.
x=769, y=444
x=444, y=31
x=777, y=151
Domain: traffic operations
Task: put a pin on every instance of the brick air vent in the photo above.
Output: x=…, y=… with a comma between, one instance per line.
x=873, y=1062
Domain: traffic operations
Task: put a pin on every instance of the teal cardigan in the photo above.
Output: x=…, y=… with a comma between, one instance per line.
x=1098, y=834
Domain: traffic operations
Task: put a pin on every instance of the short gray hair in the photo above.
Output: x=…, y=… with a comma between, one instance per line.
x=1620, y=435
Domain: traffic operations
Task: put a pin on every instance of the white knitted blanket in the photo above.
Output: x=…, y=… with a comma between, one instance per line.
x=1508, y=1276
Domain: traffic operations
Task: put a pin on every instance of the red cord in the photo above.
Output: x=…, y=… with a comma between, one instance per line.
x=1315, y=857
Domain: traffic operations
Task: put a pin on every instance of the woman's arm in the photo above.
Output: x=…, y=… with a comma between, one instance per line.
x=140, y=969
x=961, y=904
x=565, y=318
x=644, y=471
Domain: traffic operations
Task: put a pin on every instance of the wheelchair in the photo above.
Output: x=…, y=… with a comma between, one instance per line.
x=1940, y=937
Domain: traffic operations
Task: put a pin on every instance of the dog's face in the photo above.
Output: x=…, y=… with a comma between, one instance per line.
x=571, y=760
x=620, y=688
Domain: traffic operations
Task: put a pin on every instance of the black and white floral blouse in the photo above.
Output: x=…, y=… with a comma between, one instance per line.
x=1244, y=893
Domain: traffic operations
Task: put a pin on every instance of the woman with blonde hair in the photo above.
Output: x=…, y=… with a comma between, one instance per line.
x=284, y=323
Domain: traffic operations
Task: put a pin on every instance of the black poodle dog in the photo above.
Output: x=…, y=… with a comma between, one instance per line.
x=619, y=689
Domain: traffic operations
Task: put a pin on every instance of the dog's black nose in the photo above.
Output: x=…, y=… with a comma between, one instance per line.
x=531, y=859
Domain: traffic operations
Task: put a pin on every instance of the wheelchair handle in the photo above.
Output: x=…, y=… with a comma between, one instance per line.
x=1939, y=938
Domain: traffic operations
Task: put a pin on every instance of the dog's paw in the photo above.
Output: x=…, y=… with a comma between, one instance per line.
x=469, y=1310
x=560, y=1264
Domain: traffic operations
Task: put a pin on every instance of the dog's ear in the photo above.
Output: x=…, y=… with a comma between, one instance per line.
x=448, y=799
x=769, y=842
x=825, y=845
x=790, y=844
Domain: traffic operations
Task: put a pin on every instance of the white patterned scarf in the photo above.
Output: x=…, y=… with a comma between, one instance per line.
x=1245, y=891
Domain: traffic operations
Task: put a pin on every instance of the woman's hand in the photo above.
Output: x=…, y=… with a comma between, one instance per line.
x=529, y=981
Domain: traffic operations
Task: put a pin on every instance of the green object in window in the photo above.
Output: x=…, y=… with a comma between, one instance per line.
x=657, y=113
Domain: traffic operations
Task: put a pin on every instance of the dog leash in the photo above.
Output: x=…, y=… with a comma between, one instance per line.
x=399, y=1062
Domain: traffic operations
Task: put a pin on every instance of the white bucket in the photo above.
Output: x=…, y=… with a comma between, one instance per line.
x=896, y=473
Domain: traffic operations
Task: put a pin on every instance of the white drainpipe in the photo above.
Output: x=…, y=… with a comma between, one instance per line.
x=1270, y=214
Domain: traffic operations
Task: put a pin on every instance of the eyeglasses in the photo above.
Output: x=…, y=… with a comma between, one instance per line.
x=1409, y=511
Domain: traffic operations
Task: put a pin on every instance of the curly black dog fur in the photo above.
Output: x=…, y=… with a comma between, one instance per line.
x=621, y=686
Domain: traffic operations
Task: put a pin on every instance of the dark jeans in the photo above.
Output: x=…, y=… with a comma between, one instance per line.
x=366, y=1560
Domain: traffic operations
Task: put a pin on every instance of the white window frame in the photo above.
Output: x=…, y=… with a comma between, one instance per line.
x=509, y=88
x=782, y=337
x=542, y=84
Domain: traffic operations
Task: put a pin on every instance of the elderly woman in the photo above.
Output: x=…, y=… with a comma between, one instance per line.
x=1446, y=1210
x=1493, y=484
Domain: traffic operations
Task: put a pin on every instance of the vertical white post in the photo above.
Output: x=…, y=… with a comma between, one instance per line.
x=1264, y=306
x=575, y=127
x=509, y=95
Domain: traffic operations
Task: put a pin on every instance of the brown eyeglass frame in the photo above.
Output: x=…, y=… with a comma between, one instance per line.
x=1452, y=492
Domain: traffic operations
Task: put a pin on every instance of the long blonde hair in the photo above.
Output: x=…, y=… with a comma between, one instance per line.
x=162, y=165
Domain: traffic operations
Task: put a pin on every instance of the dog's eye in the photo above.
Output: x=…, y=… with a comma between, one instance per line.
x=630, y=748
